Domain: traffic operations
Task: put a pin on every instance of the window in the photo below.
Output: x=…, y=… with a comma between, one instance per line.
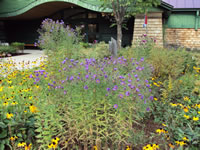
x=92, y=15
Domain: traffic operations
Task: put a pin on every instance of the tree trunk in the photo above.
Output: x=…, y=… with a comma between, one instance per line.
x=119, y=35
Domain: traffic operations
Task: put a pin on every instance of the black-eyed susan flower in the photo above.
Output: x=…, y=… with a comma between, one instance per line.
x=9, y=115
x=155, y=98
x=173, y=105
x=1, y=88
x=128, y=148
x=185, y=139
x=5, y=103
x=171, y=145
x=33, y=108
x=14, y=103
x=28, y=147
x=21, y=144
x=186, y=116
x=195, y=118
x=186, y=98
x=95, y=147
x=185, y=109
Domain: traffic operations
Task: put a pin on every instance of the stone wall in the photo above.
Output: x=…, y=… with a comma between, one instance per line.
x=154, y=27
x=188, y=38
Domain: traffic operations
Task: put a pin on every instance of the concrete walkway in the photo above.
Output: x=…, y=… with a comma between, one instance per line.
x=30, y=59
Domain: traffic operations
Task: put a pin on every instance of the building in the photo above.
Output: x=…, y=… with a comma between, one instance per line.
x=174, y=22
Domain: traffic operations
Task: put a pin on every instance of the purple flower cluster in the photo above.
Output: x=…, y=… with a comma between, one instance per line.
x=108, y=76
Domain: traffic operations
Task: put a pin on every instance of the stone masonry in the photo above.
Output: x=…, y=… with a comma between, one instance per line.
x=188, y=38
x=154, y=27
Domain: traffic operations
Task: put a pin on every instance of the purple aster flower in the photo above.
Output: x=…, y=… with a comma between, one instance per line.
x=115, y=106
x=86, y=76
x=31, y=76
x=106, y=95
x=115, y=88
x=137, y=68
x=121, y=95
x=63, y=61
x=146, y=81
x=132, y=86
x=123, y=83
x=136, y=76
x=86, y=87
x=97, y=81
x=54, y=82
x=137, y=90
x=94, y=76
x=115, y=69
x=59, y=70
x=62, y=81
x=150, y=90
x=127, y=93
x=45, y=76
x=147, y=85
x=148, y=109
x=78, y=77
x=142, y=97
x=138, y=79
x=151, y=97
x=37, y=74
x=71, y=78
x=37, y=79
x=108, y=89
x=64, y=69
x=124, y=88
x=129, y=81
x=106, y=76
x=65, y=92
x=142, y=59
x=70, y=66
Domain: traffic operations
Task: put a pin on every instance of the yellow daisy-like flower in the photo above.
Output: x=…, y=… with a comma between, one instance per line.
x=1, y=88
x=9, y=115
x=5, y=103
x=173, y=105
x=128, y=148
x=186, y=116
x=28, y=147
x=14, y=103
x=185, y=139
x=32, y=108
x=155, y=99
x=185, y=109
x=12, y=138
x=186, y=98
x=182, y=143
x=21, y=144
x=95, y=147
x=164, y=124
x=171, y=146
x=195, y=118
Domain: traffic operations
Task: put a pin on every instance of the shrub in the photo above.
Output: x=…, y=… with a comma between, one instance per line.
x=7, y=49
x=18, y=45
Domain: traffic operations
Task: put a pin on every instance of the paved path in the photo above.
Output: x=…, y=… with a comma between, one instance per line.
x=30, y=59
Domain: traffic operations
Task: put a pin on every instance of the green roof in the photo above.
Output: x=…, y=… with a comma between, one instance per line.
x=9, y=8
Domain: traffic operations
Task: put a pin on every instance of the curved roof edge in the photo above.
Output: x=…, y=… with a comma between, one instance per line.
x=36, y=3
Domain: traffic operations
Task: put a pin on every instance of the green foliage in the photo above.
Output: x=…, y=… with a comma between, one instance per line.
x=7, y=49
x=18, y=45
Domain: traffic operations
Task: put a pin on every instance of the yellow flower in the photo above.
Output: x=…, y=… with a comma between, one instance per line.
x=12, y=138
x=11, y=87
x=128, y=148
x=186, y=98
x=156, y=84
x=33, y=109
x=50, y=146
x=95, y=147
x=185, y=139
x=195, y=118
x=55, y=140
x=155, y=99
x=173, y=105
x=28, y=147
x=1, y=88
x=171, y=145
x=185, y=109
x=21, y=144
x=182, y=143
x=14, y=103
x=186, y=116
x=164, y=124
x=5, y=103
x=9, y=115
